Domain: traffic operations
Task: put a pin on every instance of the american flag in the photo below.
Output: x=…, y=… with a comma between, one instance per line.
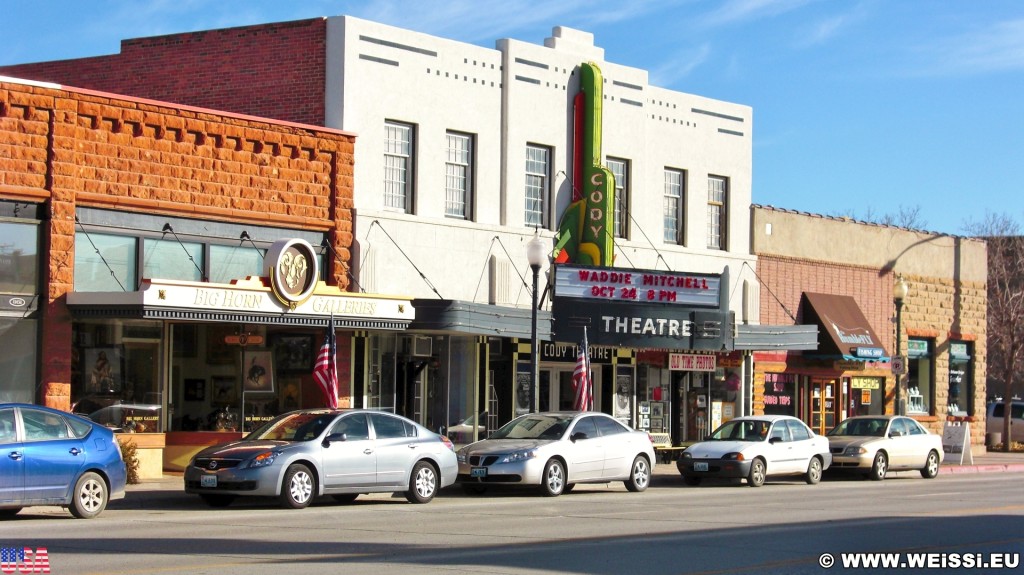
x=581, y=379
x=14, y=559
x=325, y=372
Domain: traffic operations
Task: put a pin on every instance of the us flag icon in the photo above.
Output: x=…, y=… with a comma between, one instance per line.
x=24, y=560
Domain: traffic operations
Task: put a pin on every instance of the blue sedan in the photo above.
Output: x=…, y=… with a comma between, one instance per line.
x=49, y=457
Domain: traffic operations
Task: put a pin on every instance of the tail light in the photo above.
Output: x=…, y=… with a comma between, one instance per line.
x=447, y=442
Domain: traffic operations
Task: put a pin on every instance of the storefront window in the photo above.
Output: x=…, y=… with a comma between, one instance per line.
x=779, y=394
x=865, y=396
x=169, y=259
x=920, y=377
x=115, y=374
x=105, y=263
x=18, y=359
x=19, y=257
x=961, y=380
x=19, y=276
x=234, y=262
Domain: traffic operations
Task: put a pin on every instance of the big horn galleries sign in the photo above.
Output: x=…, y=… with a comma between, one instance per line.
x=293, y=270
x=585, y=231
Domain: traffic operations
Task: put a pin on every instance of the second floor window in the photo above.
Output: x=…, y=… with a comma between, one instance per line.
x=673, y=206
x=538, y=162
x=458, y=175
x=718, y=212
x=398, y=147
x=620, y=169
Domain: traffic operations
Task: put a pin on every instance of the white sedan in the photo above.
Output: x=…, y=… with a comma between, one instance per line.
x=755, y=448
x=557, y=450
x=877, y=444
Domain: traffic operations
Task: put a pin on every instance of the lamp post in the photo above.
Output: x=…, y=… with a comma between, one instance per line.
x=899, y=293
x=535, y=255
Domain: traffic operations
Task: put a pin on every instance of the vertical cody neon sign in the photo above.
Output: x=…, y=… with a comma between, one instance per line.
x=585, y=231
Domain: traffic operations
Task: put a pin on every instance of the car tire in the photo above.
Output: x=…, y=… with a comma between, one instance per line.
x=345, y=497
x=422, y=483
x=217, y=500
x=756, y=475
x=813, y=475
x=90, y=496
x=473, y=488
x=639, y=475
x=298, y=487
x=879, y=467
x=931, y=466
x=9, y=512
x=552, y=481
x=691, y=480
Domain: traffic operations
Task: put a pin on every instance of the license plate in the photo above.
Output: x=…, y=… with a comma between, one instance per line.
x=478, y=472
x=700, y=465
x=208, y=481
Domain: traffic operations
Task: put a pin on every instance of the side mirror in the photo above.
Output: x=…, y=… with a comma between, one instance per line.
x=577, y=436
x=334, y=437
x=775, y=439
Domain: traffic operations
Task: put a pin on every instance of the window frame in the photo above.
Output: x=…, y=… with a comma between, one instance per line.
x=620, y=210
x=545, y=187
x=680, y=209
x=717, y=240
x=468, y=176
x=407, y=167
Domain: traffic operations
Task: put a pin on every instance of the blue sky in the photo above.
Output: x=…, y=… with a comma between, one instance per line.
x=861, y=107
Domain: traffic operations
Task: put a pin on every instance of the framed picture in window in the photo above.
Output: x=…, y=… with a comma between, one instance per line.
x=293, y=353
x=218, y=350
x=224, y=390
x=195, y=389
x=258, y=371
x=102, y=370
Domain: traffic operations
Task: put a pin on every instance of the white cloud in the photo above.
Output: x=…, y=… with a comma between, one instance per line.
x=679, y=66
x=995, y=48
x=744, y=10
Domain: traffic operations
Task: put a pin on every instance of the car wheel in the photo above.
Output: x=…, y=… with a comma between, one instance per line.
x=345, y=497
x=90, y=496
x=813, y=475
x=931, y=466
x=297, y=487
x=879, y=466
x=473, y=488
x=217, y=500
x=755, y=478
x=639, y=475
x=691, y=480
x=422, y=483
x=9, y=512
x=552, y=482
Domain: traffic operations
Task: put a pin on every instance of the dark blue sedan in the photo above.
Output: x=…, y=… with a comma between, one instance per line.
x=49, y=457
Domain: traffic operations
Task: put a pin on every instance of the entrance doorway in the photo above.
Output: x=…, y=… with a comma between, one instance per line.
x=556, y=392
x=823, y=403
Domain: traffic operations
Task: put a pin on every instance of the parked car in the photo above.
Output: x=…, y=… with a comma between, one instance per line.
x=755, y=448
x=996, y=412
x=342, y=453
x=877, y=444
x=462, y=432
x=49, y=457
x=557, y=450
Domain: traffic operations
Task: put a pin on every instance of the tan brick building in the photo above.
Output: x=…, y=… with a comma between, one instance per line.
x=840, y=274
x=129, y=227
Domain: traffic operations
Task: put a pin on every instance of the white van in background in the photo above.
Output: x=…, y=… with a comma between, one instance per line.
x=995, y=414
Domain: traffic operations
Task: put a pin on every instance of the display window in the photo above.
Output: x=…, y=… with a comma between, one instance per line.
x=920, y=377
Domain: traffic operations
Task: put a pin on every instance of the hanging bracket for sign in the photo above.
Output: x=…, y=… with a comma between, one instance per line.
x=243, y=339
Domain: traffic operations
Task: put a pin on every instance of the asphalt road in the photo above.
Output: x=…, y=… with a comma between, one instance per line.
x=717, y=528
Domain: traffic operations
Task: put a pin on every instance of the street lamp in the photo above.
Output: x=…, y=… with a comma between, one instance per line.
x=899, y=293
x=535, y=255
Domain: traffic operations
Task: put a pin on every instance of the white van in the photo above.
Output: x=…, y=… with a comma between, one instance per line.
x=994, y=419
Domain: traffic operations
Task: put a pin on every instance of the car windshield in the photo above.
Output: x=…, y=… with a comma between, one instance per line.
x=742, y=430
x=867, y=427
x=294, y=427
x=534, y=427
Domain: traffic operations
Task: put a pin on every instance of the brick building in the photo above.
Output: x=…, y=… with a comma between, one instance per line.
x=839, y=274
x=129, y=228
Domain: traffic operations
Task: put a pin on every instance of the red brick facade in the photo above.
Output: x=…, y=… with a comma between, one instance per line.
x=272, y=70
x=70, y=148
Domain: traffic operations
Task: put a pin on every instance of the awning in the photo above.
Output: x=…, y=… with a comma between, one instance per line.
x=471, y=318
x=246, y=301
x=845, y=331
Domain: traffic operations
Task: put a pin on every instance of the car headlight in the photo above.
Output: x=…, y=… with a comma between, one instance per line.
x=264, y=459
x=519, y=456
x=735, y=455
x=461, y=455
x=854, y=450
x=686, y=455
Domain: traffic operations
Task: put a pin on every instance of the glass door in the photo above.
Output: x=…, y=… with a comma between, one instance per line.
x=823, y=405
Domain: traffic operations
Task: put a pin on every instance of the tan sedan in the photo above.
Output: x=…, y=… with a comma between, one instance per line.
x=878, y=444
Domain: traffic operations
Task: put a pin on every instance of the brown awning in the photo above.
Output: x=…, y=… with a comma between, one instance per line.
x=848, y=332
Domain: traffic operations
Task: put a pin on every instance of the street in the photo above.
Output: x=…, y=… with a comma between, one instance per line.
x=782, y=527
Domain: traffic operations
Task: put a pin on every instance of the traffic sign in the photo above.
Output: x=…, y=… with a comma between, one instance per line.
x=899, y=365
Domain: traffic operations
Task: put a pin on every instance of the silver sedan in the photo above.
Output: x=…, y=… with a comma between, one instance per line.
x=877, y=444
x=557, y=450
x=341, y=453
